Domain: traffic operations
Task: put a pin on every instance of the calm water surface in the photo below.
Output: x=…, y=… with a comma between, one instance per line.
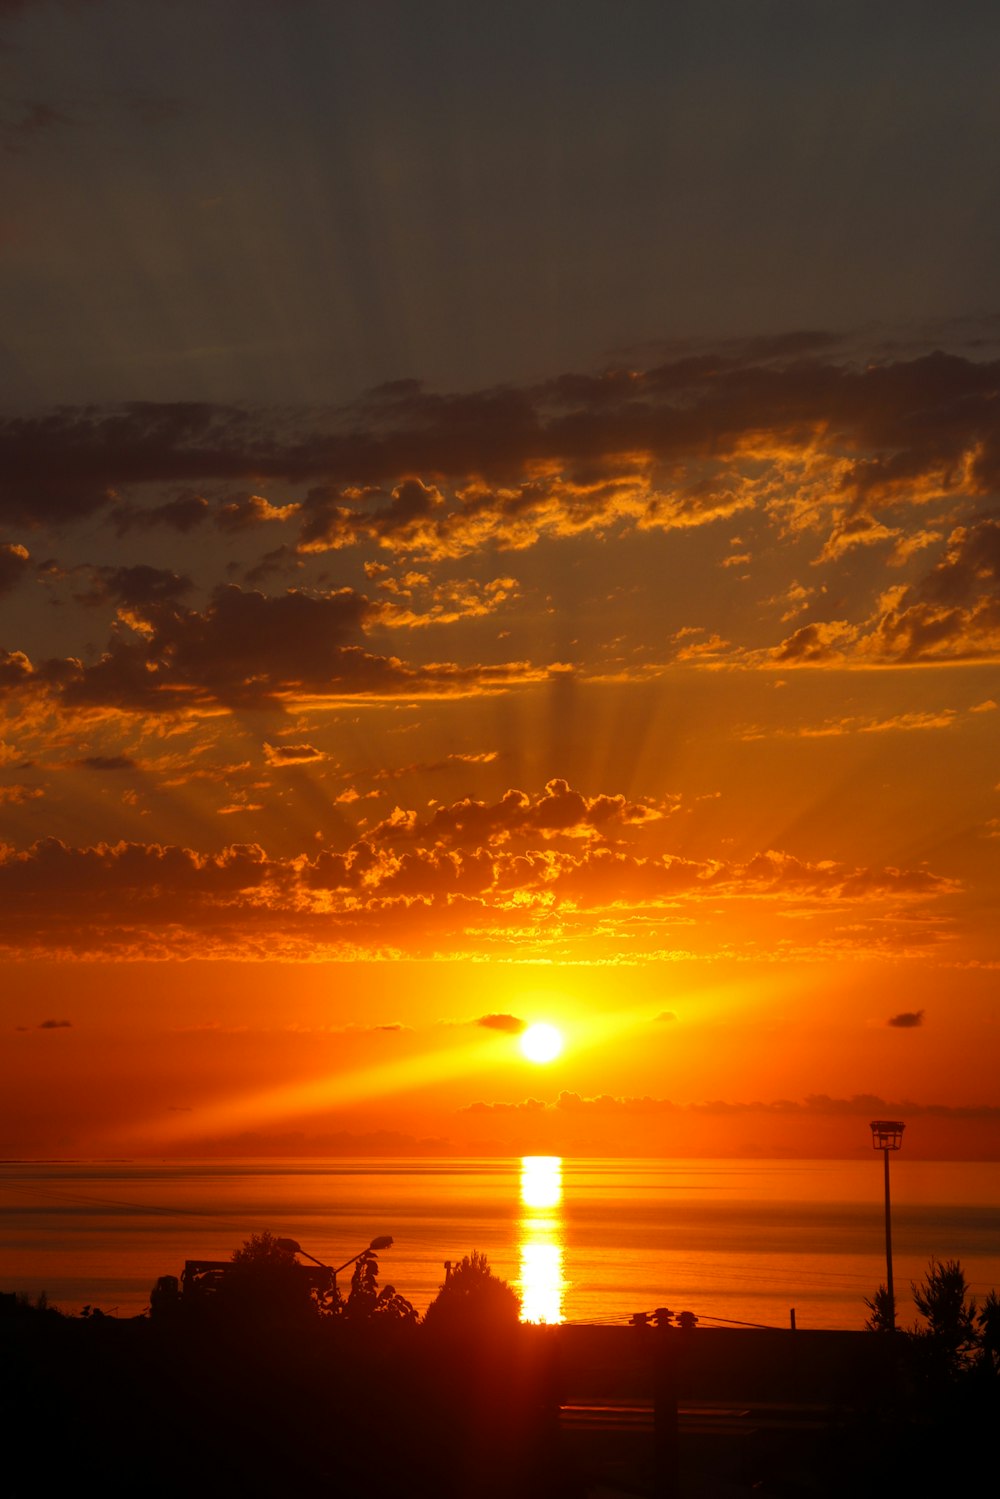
x=583, y=1240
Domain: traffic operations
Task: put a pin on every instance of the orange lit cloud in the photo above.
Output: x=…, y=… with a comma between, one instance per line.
x=291, y=754
x=558, y=810
x=244, y=649
x=459, y=883
x=679, y=444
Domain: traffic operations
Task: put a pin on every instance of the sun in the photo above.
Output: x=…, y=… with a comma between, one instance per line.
x=541, y=1042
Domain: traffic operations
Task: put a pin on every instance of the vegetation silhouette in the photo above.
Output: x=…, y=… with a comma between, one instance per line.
x=988, y=1324
x=473, y=1300
x=258, y=1377
x=882, y=1311
x=255, y=1376
x=266, y=1283
x=365, y=1302
x=950, y=1315
x=944, y=1384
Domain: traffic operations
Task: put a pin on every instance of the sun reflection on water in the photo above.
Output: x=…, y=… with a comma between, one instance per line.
x=541, y=1239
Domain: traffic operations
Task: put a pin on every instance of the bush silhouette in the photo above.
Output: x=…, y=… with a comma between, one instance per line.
x=942, y=1299
x=266, y=1284
x=473, y=1299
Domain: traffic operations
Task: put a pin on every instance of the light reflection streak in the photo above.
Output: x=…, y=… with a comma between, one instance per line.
x=542, y=1281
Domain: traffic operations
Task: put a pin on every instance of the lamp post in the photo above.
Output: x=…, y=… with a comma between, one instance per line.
x=887, y=1134
x=384, y=1241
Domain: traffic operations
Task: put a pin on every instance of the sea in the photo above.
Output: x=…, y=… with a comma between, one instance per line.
x=582, y=1241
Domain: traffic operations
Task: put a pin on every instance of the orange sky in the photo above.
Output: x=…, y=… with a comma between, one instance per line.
x=362, y=699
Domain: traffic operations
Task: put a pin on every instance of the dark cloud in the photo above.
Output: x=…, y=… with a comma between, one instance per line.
x=446, y=474
x=55, y=1025
x=70, y=463
x=558, y=810
x=107, y=762
x=511, y=1024
x=245, y=649
x=814, y=644
x=953, y=612
x=14, y=564
x=283, y=559
x=405, y=521
x=135, y=586
x=182, y=514
x=906, y=1020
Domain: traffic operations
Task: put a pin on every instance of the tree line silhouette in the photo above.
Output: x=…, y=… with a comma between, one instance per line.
x=267, y=1379
x=261, y=1376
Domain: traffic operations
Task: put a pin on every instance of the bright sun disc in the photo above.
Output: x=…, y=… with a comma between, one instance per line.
x=541, y=1042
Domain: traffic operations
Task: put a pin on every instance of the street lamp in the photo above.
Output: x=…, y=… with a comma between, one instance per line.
x=887, y=1134
x=384, y=1241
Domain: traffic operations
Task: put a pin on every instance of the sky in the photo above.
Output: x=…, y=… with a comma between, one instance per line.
x=499, y=522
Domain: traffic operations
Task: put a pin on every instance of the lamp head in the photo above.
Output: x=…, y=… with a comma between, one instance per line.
x=887, y=1134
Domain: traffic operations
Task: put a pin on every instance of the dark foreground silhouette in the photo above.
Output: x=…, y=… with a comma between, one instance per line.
x=266, y=1382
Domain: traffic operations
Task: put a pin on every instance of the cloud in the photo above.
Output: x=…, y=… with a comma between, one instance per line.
x=445, y=603
x=17, y=794
x=108, y=762
x=906, y=1020
x=666, y=1015
x=906, y=723
x=430, y=767
x=816, y=1105
x=291, y=754
x=854, y=531
x=378, y=899
x=135, y=587
x=953, y=612
x=510, y=1024
x=183, y=514
x=815, y=644
x=812, y=441
x=559, y=810
x=249, y=511
x=245, y=649
x=55, y=1025
x=15, y=562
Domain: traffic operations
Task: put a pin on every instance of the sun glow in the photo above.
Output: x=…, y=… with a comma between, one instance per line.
x=541, y=1042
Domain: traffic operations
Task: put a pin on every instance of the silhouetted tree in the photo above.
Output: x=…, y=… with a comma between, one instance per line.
x=473, y=1297
x=366, y=1301
x=266, y=1283
x=942, y=1299
x=988, y=1325
x=882, y=1309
